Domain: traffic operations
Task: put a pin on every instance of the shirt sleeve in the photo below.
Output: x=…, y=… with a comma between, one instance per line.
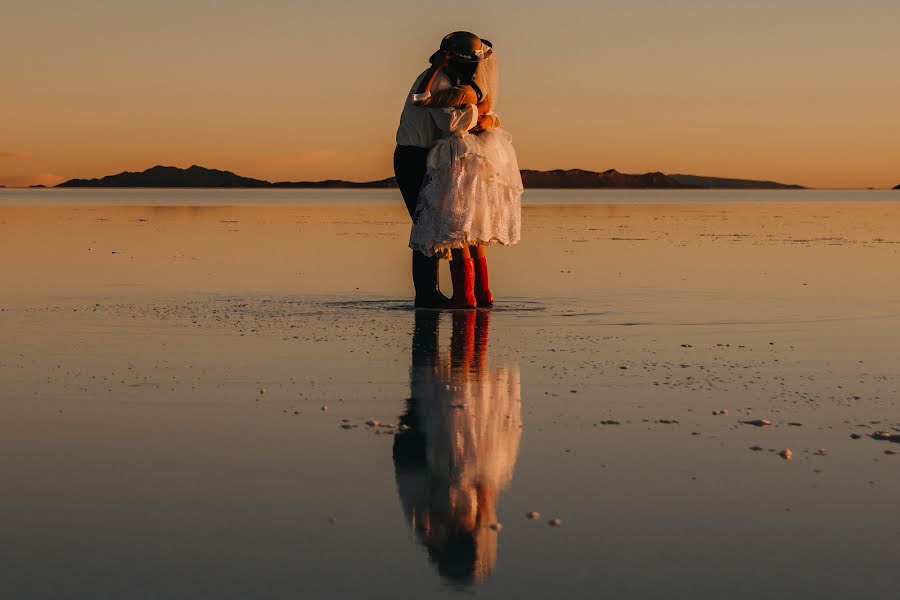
x=453, y=120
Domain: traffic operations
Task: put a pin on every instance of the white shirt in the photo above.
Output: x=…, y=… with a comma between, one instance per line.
x=422, y=126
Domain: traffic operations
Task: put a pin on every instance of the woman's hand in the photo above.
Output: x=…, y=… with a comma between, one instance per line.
x=486, y=122
x=486, y=105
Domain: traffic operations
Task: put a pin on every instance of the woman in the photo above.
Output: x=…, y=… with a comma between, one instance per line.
x=472, y=192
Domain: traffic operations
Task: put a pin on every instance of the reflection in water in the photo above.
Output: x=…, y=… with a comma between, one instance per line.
x=464, y=421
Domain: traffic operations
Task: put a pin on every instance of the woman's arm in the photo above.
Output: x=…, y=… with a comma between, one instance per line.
x=456, y=96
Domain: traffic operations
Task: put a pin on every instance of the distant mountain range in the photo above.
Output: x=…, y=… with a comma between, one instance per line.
x=201, y=177
x=579, y=178
x=722, y=183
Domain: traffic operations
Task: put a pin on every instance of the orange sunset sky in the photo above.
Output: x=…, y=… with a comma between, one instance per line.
x=796, y=91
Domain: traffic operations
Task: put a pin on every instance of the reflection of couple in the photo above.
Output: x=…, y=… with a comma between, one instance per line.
x=464, y=422
x=457, y=171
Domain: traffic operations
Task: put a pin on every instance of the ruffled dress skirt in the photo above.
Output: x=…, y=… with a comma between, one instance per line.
x=472, y=194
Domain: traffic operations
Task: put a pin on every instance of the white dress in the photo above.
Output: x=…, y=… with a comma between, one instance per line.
x=471, y=194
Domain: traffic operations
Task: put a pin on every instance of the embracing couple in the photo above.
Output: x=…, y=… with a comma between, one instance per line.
x=457, y=172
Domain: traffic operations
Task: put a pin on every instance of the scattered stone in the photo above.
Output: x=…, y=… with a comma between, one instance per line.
x=758, y=422
x=554, y=523
x=890, y=452
x=721, y=411
x=610, y=422
x=795, y=424
x=373, y=423
x=533, y=515
x=332, y=520
x=498, y=527
x=786, y=454
x=262, y=391
x=623, y=367
x=323, y=408
x=403, y=427
x=886, y=436
x=296, y=412
x=756, y=448
x=821, y=452
x=855, y=436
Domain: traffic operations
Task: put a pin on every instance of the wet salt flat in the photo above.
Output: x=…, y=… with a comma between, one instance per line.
x=239, y=401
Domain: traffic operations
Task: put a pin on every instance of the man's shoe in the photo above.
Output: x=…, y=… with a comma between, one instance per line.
x=425, y=280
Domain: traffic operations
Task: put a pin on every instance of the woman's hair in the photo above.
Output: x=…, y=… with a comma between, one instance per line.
x=464, y=73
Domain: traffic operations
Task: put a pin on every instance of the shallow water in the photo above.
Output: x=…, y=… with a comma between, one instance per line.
x=140, y=459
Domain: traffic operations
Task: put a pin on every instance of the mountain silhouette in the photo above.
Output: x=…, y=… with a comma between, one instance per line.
x=579, y=178
x=159, y=176
x=196, y=176
x=733, y=184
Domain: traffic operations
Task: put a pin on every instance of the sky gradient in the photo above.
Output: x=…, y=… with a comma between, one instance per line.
x=796, y=91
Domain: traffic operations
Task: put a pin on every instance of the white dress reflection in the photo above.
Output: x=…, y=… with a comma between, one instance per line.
x=464, y=420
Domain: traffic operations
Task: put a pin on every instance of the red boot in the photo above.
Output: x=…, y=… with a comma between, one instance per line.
x=462, y=272
x=482, y=292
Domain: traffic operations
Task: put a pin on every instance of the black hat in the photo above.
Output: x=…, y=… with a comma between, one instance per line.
x=463, y=47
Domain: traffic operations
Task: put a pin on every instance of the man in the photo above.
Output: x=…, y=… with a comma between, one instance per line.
x=422, y=126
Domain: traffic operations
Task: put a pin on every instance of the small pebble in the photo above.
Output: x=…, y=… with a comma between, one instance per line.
x=498, y=527
x=373, y=423
x=323, y=408
x=821, y=452
x=890, y=452
x=855, y=436
x=756, y=448
x=758, y=422
x=554, y=523
x=533, y=515
x=786, y=454
x=262, y=391
x=332, y=520
x=721, y=411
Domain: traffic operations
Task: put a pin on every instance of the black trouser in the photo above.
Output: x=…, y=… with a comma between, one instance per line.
x=410, y=168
